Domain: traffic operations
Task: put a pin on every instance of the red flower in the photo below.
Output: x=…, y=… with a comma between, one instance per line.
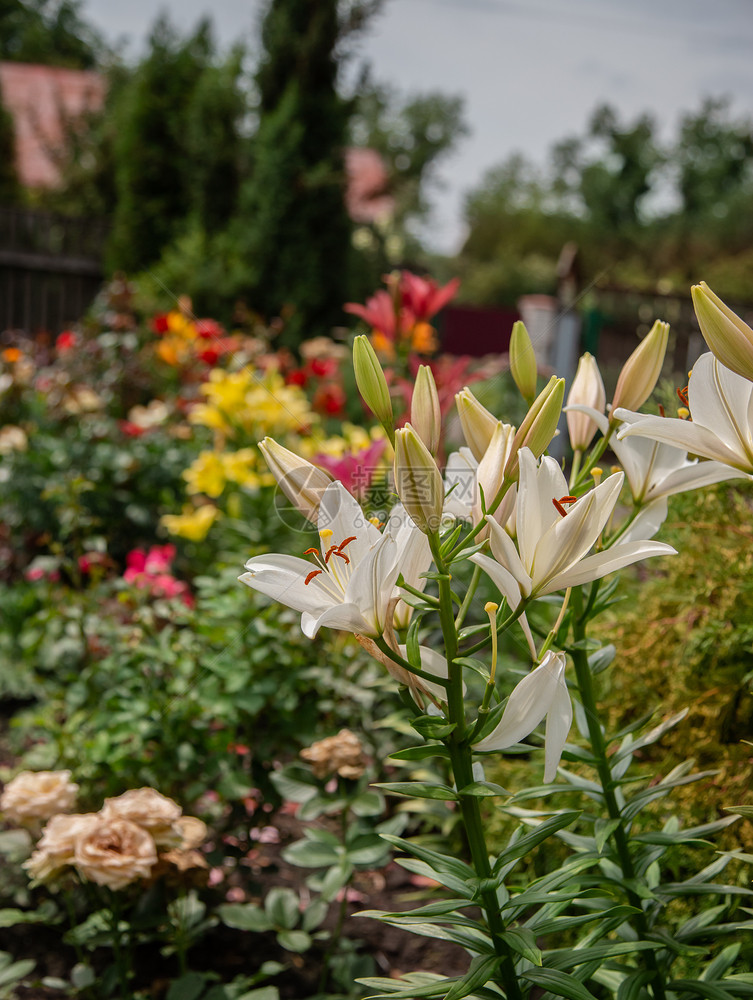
x=66, y=341
x=323, y=367
x=159, y=323
x=210, y=356
x=297, y=377
x=130, y=429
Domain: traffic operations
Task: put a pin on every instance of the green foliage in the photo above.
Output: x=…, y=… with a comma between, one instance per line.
x=685, y=641
x=607, y=190
x=9, y=188
x=292, y=227
x=176, y=147
x=51, y=32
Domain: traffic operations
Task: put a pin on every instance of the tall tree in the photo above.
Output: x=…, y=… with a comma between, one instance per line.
x=293, y=231
x=9, y=185
x=51, y=32
x=152, y=175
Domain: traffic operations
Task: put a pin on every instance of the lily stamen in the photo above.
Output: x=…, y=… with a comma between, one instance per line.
x=559, y=504
x=683, y=396
x=310, y=577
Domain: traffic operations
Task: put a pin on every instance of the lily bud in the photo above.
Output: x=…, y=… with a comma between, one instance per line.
x=477, y=423
x=539, y=424
x=641, y=371
x=424, y=409
x=301, y=482
x=523, y=362
x=728, y=337
x=372, y=384
x=587, y=390
x=418, y=481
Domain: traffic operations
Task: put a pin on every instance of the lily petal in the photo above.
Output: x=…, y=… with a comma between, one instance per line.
x=602, y=563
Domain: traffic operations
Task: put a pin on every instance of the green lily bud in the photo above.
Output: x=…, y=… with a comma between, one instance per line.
x=372, y=384
x=418, y=481
x=728, y=337
x=641, y=371
x=301, y=482
x=424, y=409
x=477, y=423
x=523, y=362
x=539, y=424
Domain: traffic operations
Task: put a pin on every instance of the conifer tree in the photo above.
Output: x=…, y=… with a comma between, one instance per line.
x=293, y=231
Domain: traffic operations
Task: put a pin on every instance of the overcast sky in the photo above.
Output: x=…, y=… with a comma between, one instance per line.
x=530, y=71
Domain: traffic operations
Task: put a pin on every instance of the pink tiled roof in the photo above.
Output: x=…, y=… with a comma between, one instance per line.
x=42, y=99
x=367, y=195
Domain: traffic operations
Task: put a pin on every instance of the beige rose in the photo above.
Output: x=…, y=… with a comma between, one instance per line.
x=341, y=754
x=115, y=853
x=56, y=847
x=37, y=795
x=150, y=810
x=192, y=832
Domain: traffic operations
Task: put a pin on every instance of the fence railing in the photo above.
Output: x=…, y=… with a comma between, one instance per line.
x=50, y=268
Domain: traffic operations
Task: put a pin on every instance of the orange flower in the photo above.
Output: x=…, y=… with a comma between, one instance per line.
x=11, y=355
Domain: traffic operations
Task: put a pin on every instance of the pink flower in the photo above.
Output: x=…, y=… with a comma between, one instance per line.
x=151, y=571
x=423, y=297
x=379, y=312
x=354, y=470
x=209, y=329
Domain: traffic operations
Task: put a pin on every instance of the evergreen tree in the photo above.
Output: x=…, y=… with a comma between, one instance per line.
x=9, y=186
x=152, y=177
x=50, y=32
x=293, y=231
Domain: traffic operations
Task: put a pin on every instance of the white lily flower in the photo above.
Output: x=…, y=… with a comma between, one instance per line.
x=466, y=478
x=655, y=469
x=542, y=693
x=721, y=407
x=552, y=542
x=352, y=579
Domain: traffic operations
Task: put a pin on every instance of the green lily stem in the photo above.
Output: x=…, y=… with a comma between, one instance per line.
x=464, y=542
x=593, y=457
x=599, y=749
x=401, y=661
x=415, y=592
x=469, y=594
x=461, y=760
x=575, y=467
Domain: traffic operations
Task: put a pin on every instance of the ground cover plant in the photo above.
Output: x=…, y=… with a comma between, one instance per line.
x=204, y=786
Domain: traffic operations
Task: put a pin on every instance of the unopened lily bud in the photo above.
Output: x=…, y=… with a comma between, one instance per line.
x=641, y=371
x=477, y=423
x=372, y=384
x=523, y=362
x=539, y=424
x=301, y=482
x=418, y=481
x=587, y=390
x=728, y=337
x=424, y=409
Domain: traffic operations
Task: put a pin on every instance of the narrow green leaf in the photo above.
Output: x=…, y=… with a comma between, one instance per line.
x=481, y=970
x=421, y=752
x=418, y=789
x=633, y=986
x=603, y=831
x=541, y=832
x=558, y=983
x=439, y=862
x=523, y=941
x=483, y=789
x=709, y=991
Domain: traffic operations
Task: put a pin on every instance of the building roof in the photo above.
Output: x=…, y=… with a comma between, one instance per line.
x=44, y=101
